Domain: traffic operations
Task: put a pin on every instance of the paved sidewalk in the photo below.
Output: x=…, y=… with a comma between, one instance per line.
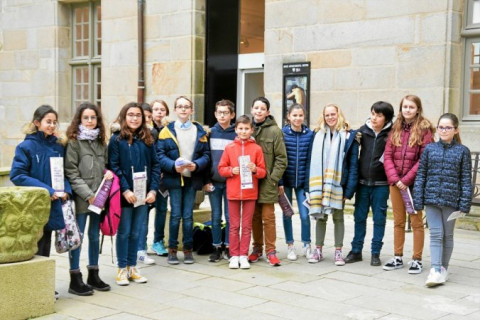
x=296, y=290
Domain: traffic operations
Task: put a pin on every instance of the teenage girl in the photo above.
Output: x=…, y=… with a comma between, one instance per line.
x=443, y=185
x=31, y=167
x=297, y=140
x=332, y=177
x=85, y=162
x=410, y=135
x=131, y=153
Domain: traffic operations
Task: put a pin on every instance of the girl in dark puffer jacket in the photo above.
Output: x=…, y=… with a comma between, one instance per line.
x=410, y=135
x=443, y=185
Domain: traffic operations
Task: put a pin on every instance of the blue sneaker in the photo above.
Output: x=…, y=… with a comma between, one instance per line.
x=159, y=248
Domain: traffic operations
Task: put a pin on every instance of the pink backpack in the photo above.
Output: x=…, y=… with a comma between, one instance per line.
x=111, y=215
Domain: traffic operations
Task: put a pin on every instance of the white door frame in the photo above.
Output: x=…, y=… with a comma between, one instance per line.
x=247, y=63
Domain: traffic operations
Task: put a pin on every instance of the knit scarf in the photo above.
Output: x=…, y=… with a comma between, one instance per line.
x=87, y=134
x=326, y=163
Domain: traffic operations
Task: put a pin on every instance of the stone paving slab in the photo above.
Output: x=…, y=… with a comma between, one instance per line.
x=296, y=290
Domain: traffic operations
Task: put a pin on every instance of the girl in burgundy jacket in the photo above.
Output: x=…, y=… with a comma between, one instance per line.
x=241, y=196
x=410, y=134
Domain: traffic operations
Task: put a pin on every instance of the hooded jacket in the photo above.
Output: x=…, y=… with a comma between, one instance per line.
x=229, y=161
x=444, y=177
x=31, y=168
x=219, y=138
x=269, y=136
x=168, y=151
x=370, y=168
x=401, y=162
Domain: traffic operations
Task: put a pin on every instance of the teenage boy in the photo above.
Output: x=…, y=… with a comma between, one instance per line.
x=269, y=136
x=221, y=134
x=373, y=188
x=184, y=156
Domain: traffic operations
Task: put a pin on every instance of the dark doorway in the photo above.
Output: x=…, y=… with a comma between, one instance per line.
x=222, y=21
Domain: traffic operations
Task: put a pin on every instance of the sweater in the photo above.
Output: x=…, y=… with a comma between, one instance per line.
x=219, y=138
x=444, y=177
x=229, y=161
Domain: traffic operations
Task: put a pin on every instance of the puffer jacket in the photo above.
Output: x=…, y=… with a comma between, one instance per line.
x=296, y=144
x=229, y=161
x=168, y=151
x=349, y=180
x=124, y=157
x=85, y=162
x=444, y=177
x=401, y=162
x=370, y=164
x=269, y=136
x=31, y=168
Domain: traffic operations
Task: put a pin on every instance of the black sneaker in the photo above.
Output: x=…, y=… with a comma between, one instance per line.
x=415, y=267
x=188, y=256
x=226, y=254
x=172, y=256
x=216, y=255
x=393, y=264
x=375, y=261
x=353, y=257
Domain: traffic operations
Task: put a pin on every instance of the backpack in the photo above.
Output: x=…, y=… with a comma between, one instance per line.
x=110, y=216
x=70, y=237
x=202, y=238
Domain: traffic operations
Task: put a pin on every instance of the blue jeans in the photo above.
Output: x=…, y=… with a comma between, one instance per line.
x=366, y=197
x=181, y=203
x=216, y=197
x=93, y=240
x=304, y=218
x=441, y=235
x=160, y=217
x=128, y=234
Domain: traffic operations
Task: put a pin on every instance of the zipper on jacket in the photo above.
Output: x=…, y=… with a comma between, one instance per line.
x=296, y=164
x=241, y=190
x=371, y=158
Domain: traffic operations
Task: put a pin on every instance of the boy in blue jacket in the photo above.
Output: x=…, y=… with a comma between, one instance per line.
x=221, y=134
x=184, y=156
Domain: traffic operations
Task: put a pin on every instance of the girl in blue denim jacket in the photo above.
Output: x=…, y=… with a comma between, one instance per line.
x=443, y=185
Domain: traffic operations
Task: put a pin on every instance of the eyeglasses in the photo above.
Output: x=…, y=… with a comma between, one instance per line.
x=91, y=118
x=184, y=107
x=133, y=115
x=445, y=129
x=223, y=113
x=51, y=123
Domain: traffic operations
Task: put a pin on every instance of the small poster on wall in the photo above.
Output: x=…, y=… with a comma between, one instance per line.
x=296, y=87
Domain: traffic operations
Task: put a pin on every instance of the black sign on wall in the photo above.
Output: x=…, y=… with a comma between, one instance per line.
x=296, y=87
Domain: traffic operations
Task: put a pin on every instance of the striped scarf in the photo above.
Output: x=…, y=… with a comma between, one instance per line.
x=326, y=192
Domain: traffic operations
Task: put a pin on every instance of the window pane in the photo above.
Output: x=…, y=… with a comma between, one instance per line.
x=474, y=103
x=98, y=39
x=252, y=26
x=476, y=11
x=81, y=31
x=475, y=79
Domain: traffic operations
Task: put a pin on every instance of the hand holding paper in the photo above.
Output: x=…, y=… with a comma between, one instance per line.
x=455, y=215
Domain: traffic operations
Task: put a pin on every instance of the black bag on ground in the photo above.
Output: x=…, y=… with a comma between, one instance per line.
x=202, y=238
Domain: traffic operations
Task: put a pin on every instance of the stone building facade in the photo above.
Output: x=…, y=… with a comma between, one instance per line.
x=360, y=51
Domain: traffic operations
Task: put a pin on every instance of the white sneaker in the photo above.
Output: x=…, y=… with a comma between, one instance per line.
x=434, y=278
x=307, y=251
x=244, y=264
x=291, y=255
x=233, y=262
x=143, y=257
x=444, y=273
x=122, y=277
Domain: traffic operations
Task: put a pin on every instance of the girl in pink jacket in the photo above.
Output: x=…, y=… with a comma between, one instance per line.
x=410, y=134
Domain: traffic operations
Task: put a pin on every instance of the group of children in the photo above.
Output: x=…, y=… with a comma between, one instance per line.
x=247, y=164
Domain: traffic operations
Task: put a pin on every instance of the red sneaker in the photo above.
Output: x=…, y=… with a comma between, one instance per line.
x=255, y=255
x=273, y=260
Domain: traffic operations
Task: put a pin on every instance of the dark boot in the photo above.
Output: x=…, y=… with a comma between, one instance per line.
x=94, y=280
x=353, y=257
x=77, y=286
x=375, y=261
x=172, y=256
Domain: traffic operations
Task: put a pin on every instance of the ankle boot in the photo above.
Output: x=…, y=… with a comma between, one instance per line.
x=172, y=256
x=77, y=286
x=94, y=280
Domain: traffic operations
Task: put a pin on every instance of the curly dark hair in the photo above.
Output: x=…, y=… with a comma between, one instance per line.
x=72, y=131
x=142, y=133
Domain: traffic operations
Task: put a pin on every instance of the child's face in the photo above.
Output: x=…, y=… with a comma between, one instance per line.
x=159, y=112
x=296, y=118
x=134, y=118
x=244, y=131
x=330, y=115
x=446, y=130
x=183, y=109
x=259, y=111
x=378, y=121
x=47, y=125
x=409, y=110
x=224, y=116
x=89, y=119
x=148, y=116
